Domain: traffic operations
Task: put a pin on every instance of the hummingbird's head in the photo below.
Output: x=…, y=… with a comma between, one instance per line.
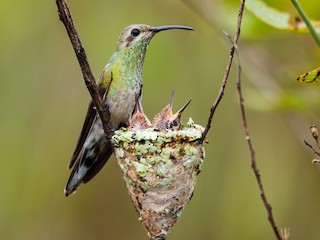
x=142, y=34
x=173, y=120
x=166, y=119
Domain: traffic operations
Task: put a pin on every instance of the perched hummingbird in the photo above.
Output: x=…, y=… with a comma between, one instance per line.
x=166, y=120
x=120, y=84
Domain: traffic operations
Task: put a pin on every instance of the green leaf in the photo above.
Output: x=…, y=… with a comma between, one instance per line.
x=277, y=18
x=310, y=77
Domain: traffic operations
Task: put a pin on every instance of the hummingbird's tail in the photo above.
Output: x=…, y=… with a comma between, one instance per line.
x=87, y=166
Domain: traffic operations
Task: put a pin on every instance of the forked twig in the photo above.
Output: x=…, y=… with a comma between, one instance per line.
x=315, y=135
x=313, y=149
x=226, y=73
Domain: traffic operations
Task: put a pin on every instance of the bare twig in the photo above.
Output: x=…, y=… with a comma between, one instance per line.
x=65, y=17
x=226, y=73
x=314, y=150
x=315, y=135
x=245, y=125
x=251, y=149
x=244, y=119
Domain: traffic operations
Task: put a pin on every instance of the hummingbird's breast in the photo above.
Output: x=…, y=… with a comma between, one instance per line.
x=127, y=70
x=121, y=106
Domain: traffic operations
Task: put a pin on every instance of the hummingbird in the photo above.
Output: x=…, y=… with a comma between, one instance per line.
x=139, y=120
x=166, y=120
x=120, y=84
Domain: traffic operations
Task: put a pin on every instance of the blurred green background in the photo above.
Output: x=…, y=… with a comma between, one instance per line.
x=44, y=100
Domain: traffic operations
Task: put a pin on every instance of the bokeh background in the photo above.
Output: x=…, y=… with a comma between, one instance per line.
x=43, y=102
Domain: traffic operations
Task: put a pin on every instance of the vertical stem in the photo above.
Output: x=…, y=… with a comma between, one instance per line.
x=306, y=20
x=253, y=161
x=226, y=73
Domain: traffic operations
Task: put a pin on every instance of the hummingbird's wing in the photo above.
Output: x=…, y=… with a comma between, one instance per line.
x=89, y=165
x=93, y=155
x=104, y=83
x=92, y=150
x=101, y=160
x=91, y=114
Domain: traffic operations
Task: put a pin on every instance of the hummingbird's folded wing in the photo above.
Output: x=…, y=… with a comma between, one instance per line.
x=104, y=84
x=101, y=160
x=88, y=164
x=91, y=115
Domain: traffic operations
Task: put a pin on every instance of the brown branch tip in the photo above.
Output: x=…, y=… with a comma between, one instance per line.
x=66, y=18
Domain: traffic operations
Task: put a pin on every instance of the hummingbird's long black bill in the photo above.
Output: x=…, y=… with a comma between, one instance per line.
x=168, y=27
x=171, y=99
x=183, y=108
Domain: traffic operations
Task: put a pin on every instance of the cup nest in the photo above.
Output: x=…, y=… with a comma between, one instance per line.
x=160, y=169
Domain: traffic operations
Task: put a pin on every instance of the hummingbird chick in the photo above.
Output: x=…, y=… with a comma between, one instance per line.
x=139, y=120
x=166, y=120
x=120, y=83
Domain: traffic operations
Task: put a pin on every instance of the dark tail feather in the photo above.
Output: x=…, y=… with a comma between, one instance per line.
x=103, y=157
x=75, y=179
x=87, y=167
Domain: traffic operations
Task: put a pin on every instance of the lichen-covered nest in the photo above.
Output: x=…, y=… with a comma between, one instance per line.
x=160, y=168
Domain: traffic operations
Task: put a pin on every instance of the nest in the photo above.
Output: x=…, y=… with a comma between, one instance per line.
x=160, y=168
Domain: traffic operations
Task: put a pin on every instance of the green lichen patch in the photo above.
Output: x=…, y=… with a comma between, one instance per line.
x=190, y=150
x=120, y=152
x=144, y=186
x=141, y=169
x=191, y=133
x=166, y=183
x=190, y=162
x=190, y=123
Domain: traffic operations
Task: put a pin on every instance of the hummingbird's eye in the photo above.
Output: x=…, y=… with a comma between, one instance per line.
x=135, y=32
x=174, y=123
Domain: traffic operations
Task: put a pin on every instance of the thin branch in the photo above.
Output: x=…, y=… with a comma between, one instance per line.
x=245, y=125
x=306, y=20
x=315, y=135
x=244, y=119
x=226, y=73
x=65, y=17
x=251, y=149
x=314, y=150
